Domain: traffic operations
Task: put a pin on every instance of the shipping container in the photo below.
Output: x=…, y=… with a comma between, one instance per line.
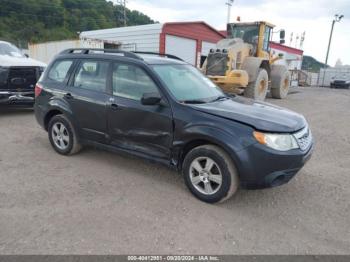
x=45, y=52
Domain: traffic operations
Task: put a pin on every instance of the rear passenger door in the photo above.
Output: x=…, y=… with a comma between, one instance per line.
x=133, y=126
x=88, y=96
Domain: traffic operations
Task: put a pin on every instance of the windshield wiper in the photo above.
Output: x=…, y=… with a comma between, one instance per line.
x=194, y=101
x=220, y=98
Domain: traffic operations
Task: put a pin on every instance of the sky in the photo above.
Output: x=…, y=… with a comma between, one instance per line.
x=295, y=16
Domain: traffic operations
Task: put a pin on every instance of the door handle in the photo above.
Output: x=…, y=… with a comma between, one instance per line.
x=114, y=106
x=68, y=96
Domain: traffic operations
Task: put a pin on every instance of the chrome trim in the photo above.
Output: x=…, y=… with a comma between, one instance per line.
x=16, y=93
x=304, y=138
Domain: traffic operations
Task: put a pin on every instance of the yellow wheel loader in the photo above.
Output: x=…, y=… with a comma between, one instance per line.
x=244, y=63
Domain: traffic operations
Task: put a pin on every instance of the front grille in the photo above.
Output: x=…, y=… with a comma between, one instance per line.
x=22, y=78
x=217, y=64
x=304, y=138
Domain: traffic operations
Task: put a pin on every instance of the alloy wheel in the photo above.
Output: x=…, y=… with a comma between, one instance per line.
x=60, y=136
x=205, y=175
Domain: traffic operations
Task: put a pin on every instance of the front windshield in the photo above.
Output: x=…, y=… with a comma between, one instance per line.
x=10, y=50
x=187, y=84
x=248, y=33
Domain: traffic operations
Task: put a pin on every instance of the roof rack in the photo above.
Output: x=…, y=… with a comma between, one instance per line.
x=158, y=54
x=111, y=51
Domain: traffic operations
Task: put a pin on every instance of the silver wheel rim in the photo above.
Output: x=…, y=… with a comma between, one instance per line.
x=60, y=136
x=205, y=175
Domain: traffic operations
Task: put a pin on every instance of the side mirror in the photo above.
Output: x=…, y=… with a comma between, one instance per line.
x=283, y=34
x=150, y=99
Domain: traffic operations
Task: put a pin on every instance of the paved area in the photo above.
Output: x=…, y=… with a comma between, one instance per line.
x=101, y=203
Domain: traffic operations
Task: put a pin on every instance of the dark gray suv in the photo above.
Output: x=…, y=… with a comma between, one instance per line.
x=163, y=109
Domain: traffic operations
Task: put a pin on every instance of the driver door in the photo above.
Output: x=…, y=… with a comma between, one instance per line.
x=133, y=126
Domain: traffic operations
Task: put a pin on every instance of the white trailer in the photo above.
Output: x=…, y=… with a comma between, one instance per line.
x=326, y=76
x=45, y=52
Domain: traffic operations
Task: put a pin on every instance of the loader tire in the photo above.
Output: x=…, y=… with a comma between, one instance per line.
x=258, y=89
x=280, y=79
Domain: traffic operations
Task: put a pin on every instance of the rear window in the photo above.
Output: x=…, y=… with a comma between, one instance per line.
x=59, y=70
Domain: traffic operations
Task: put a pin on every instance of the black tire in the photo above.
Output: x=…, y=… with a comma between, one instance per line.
x=73, y=146
x=229, y=182
x=258, y=89
x=280, y=81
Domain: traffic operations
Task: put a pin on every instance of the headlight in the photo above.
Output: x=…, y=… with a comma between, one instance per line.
x=281, y=142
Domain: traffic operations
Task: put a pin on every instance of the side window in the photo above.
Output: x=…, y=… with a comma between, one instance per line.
x=59, y=70
x=131, y=82
x=266, y=46
x=92, y=75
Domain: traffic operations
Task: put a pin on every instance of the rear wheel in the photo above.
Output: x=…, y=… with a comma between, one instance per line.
x=280, y=81
x=62, y=136
x=258, y=89
x=210, y=174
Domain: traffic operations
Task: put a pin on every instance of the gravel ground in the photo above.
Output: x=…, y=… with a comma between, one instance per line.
x=101, y=203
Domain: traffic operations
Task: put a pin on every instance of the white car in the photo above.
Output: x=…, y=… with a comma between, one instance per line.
x=18, y=76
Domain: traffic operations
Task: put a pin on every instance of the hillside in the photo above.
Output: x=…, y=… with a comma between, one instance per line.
x=311, y=64
x=23, y=21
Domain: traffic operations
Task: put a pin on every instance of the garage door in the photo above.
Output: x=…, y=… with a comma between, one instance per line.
x=182, y=47
x=206, y=46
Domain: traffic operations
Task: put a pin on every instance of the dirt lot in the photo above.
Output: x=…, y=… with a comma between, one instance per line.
x=102, y=203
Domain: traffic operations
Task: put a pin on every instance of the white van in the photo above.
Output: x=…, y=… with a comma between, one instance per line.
x=18, y=76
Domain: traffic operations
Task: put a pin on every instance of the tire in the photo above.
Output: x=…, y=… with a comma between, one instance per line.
x=66, y=136
x=197, y=182
x=280, y=79
x=258, y=89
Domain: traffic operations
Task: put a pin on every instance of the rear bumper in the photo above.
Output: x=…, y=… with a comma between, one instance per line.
x=340, y=85
x=17, y=98
x=263, y=167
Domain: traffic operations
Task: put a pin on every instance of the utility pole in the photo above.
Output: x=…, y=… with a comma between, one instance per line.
x=229, y=4
x=123, y=4
x=337, y=18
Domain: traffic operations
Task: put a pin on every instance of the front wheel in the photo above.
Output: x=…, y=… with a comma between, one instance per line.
x=258, y=89
x=210, y=174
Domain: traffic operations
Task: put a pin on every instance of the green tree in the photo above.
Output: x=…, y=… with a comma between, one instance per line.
x=23, y=21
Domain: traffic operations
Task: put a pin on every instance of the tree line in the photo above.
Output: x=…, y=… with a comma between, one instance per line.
x=23, y=21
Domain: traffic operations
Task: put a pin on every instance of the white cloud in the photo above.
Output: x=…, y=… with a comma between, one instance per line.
x=312, y=16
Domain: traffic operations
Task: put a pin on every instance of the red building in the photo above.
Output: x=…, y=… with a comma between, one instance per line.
x=187, y=40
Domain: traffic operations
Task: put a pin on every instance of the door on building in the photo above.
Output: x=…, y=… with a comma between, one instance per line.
x=184, y=48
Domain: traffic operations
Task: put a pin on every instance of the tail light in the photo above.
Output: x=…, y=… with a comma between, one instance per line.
x=38, y=89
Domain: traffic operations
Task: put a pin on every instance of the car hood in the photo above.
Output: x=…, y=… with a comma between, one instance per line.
x=262, y=116
x=6, y=60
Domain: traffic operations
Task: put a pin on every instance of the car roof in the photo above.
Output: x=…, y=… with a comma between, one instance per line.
x=142, y=57
x=159, y=60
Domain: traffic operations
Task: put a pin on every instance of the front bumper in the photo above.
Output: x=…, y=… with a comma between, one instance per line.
x=262, y=167
x=235, y=79
x=17, y=98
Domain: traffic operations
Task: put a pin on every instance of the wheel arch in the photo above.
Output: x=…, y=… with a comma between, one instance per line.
x=49, y=115
x=202, y=139
x=252, y=65
x=57, y=107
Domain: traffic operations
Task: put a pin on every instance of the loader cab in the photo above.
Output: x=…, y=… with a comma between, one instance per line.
x=257, y=34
